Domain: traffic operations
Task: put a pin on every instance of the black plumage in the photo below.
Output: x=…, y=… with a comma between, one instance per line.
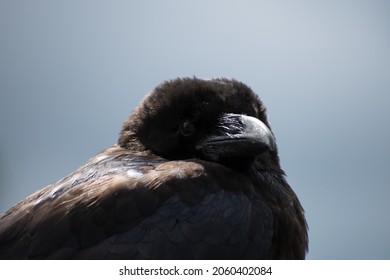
x=195, y=175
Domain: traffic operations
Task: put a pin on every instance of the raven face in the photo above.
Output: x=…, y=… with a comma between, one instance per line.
x=215, y=120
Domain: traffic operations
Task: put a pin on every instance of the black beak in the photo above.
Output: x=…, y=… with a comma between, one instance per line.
x=237, y=136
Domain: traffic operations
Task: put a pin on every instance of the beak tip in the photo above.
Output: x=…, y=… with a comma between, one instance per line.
x=258, y=130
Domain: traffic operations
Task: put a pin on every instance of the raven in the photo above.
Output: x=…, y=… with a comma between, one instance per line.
x=195, y=174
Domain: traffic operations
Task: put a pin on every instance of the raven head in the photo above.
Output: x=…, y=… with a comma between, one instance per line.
x=218, y=120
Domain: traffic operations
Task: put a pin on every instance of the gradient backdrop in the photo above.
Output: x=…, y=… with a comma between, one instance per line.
x=72, y=71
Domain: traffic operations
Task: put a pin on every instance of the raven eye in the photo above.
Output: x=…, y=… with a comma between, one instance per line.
x=187, y=128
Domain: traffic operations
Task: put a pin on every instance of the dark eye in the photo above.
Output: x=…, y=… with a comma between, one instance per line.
x=187, y=128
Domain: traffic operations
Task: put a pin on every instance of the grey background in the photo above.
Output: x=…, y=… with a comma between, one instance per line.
x=72, y=71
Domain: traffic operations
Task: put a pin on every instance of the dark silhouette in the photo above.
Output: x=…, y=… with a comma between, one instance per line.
x=195, y=175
